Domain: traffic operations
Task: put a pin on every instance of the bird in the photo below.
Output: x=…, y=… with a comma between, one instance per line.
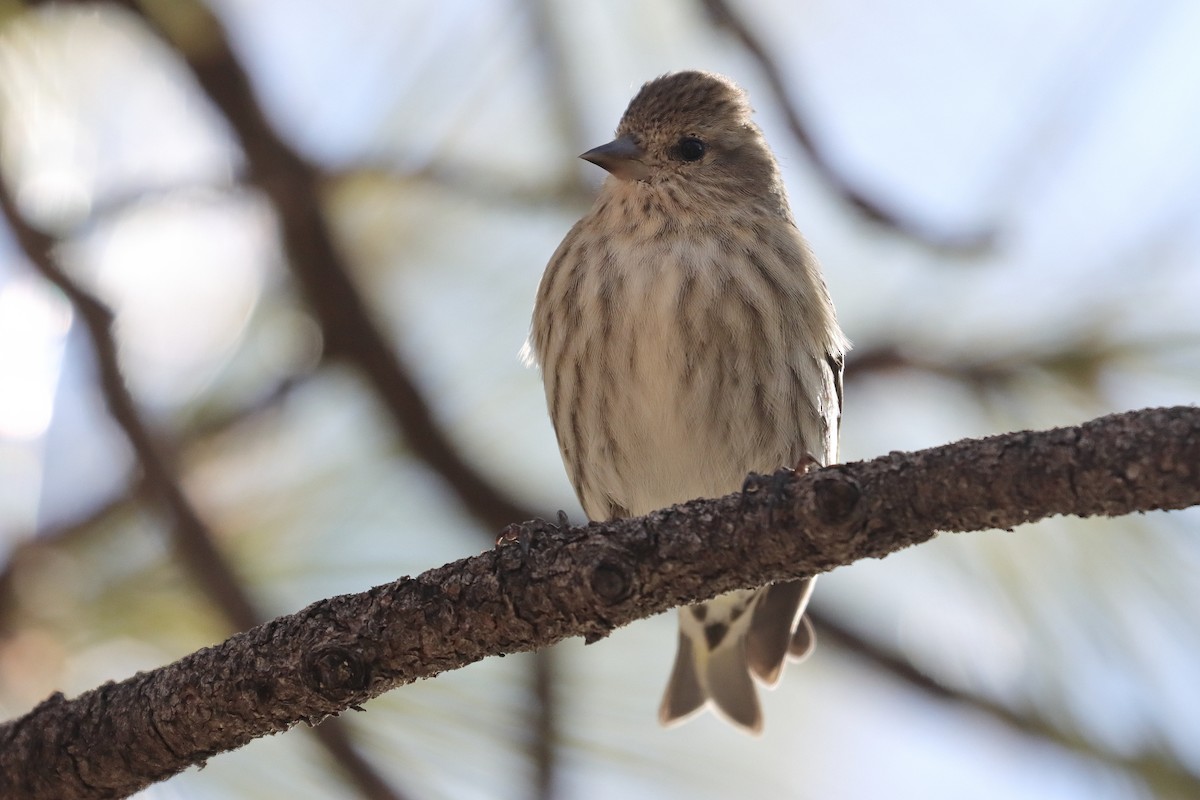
x=686, y=337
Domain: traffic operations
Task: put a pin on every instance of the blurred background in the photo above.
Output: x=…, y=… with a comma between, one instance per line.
x=319, y=227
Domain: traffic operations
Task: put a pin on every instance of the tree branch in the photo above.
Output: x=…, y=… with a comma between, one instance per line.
x=585, y=581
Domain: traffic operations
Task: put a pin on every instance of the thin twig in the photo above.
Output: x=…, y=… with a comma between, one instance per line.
x=491, y=187
x=1163, y=769
x=723, y=16
x=127, y=497
x=1081, y=360
x=559, y=73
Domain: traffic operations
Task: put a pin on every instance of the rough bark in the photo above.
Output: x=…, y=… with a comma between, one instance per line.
x=546, y=584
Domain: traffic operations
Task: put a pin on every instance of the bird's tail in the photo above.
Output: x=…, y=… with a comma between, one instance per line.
x=723, y=642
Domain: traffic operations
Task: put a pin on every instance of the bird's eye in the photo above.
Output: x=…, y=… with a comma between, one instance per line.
x=690, y=148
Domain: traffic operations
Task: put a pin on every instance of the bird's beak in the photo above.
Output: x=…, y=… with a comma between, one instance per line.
x=622, y=157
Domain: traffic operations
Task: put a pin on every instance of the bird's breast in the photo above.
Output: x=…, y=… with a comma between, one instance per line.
x=691, y=374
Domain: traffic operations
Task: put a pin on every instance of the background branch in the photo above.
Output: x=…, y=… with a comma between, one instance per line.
x=192, y=538
x=293, y=186
x=724, y=16
x=1168, y=775
x=347, y=325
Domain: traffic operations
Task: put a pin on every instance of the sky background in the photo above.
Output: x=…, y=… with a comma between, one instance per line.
x=1058, y=139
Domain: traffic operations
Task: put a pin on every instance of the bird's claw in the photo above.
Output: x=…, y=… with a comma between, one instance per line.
x=780, y=478
x=777, y=482
x=750, y=486
x=807, y=463
x=518, y=534
x=522, y=533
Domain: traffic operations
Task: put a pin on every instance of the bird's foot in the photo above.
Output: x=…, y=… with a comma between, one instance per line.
x=777, y=482
x=807, y=463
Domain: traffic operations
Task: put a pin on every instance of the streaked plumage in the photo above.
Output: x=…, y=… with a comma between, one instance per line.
x=686, y=338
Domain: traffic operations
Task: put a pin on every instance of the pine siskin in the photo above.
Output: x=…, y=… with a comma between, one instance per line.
x=686, y=338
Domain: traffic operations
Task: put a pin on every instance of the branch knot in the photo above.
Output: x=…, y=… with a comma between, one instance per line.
x=337, y=672
x=837, y=499
x=611, y=583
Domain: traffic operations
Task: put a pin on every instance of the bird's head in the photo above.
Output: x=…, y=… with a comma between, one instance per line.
x=690, y=130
